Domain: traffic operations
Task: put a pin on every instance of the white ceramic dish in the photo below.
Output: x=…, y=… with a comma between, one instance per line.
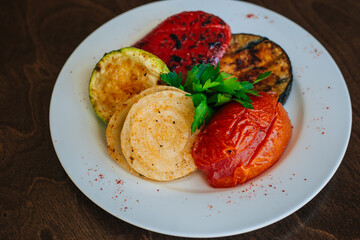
x=319, y=107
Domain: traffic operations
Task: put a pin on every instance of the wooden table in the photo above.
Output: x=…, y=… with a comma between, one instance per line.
x=37, y=198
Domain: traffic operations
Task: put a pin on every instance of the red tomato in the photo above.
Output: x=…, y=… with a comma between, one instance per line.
x=238, y=144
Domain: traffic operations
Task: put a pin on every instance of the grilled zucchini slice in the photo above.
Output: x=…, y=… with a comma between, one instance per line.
x=119, y=75
x=249, y=55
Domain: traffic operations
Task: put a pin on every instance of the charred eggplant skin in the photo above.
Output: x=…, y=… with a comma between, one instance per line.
x=242, y=41
x=284, y=96
x=248, y=55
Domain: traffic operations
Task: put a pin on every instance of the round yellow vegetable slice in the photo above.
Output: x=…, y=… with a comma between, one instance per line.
x=121, y=74
x=156, y=138
x=113, y=130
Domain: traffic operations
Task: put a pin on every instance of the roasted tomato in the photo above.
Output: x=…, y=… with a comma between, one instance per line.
x=187, y=39
x=238, y=144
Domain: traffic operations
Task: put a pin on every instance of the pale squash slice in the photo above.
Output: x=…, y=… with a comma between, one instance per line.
x=156, y=138
x=113, y=130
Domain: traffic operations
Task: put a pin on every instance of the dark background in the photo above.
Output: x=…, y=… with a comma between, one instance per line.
x=37, y=198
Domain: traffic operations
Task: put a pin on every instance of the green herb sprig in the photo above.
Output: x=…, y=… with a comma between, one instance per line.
x=210, y=88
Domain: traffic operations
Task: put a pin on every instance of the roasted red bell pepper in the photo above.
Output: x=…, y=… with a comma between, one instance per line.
x=187, y=39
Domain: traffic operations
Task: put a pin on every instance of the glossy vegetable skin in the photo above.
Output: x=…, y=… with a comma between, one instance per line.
x=238, y=144
x=188, y=38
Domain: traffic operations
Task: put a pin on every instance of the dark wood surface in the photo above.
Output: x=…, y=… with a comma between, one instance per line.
x=37, y=198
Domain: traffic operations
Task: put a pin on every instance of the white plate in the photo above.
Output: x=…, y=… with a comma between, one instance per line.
x=319, y=107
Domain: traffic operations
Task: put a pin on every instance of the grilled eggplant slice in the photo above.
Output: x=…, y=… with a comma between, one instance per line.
x=249, y=55
x=241, y=41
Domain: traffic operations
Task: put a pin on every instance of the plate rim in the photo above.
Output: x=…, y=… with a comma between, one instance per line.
x=303, y=202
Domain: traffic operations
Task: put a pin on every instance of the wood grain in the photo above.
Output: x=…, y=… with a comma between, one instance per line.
x=39, y=201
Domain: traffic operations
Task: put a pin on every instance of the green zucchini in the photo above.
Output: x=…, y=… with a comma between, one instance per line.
x=119, y=75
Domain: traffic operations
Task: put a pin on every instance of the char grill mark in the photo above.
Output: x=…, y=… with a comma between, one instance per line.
x=174, y=62
x=178, y=43
x=249, y=55
x=206, y=22
x=214, y=44
x=188, y=36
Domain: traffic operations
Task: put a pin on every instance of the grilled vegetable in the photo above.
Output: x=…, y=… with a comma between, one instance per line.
x=242, y=41
x=210, y=89
x=121, y=74
x=188, y=38
x=239, y=143
x=156, y=139
x=115, y=126
x=249, y=55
